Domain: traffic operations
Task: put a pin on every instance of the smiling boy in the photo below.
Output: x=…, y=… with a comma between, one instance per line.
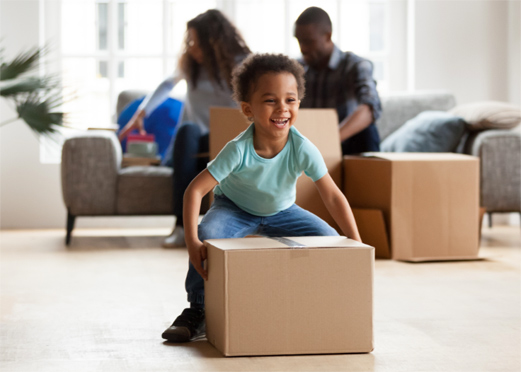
x=254, y=179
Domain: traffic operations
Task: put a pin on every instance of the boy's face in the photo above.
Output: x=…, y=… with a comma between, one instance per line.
x=273, y=104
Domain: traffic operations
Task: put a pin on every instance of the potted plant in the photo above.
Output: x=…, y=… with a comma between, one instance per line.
x=34, y=99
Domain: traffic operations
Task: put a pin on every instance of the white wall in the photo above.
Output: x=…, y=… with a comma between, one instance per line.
x=463, y=46
x=397, y=41
x=514, y=51
x=30, y=193
x=471, y=48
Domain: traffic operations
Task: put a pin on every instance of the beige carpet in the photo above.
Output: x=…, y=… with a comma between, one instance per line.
x=102, y=304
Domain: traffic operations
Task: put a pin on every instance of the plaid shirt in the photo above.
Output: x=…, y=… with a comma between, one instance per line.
x=345, y=84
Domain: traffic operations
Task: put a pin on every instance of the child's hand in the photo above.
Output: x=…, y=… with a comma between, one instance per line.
x=197, y=253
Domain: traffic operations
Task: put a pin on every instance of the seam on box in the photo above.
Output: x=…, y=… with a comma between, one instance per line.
x=290, y=243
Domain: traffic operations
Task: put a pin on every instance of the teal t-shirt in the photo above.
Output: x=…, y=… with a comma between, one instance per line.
x=260, y=186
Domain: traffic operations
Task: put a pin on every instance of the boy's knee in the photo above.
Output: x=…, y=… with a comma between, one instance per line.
x=210, y=231
x=330, y=232
x=324, y=229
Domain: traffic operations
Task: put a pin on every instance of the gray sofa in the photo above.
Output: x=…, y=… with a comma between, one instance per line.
x=95, y=184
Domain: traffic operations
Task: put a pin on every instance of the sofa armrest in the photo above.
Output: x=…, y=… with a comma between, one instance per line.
x=89, y=173
x=500, y=156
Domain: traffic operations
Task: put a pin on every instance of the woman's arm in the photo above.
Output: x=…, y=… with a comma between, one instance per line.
x=159, y=95
x=149, y=104
x=198, y=188
x=338, y=206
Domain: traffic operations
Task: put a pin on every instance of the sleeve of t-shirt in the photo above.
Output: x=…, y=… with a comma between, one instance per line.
x=312, y=162
x=225, y=162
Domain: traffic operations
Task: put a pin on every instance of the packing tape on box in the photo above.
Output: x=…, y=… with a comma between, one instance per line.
x=289, y=242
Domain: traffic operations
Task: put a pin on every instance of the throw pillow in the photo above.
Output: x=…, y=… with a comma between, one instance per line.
x=488, y=115
x=429, y=131
x=161, y=122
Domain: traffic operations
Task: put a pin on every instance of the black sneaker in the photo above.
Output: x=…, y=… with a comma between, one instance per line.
x=188, y=326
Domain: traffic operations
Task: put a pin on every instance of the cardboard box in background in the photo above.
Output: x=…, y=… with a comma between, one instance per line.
x=373, y=230
x=425, y=205
x=281, y=296
x=320, y=126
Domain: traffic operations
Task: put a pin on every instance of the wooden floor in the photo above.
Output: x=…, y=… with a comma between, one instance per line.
x=102, y=304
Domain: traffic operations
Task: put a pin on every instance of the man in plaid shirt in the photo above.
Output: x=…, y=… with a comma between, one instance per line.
x=340, y=80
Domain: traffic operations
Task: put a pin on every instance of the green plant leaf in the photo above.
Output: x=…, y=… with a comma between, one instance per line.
x=21, y=64
x=36, y=112
x=36, y=98
x=19, y=86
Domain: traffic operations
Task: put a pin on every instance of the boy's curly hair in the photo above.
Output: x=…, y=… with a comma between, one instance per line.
x=246, y=75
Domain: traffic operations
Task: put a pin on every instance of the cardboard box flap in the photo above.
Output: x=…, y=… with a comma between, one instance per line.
x=285, y=243
x=418, y=156
x=372, y=228
x=320, y=126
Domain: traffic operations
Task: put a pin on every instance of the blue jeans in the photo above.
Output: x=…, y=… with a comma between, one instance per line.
x=227, y=220
x=184, y=153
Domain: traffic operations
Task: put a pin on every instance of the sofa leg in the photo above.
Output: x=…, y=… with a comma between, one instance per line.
x=70, y=225
x=489, y=219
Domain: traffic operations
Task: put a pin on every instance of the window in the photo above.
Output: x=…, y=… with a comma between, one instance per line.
x=107, y=46
x=358, y=26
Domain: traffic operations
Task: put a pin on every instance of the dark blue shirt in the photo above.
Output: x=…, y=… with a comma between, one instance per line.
x=345, y=84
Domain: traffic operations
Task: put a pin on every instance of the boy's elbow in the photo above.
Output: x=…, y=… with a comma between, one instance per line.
x=190, y=192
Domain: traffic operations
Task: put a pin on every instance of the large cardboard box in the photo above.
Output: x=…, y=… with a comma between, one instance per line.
x=320, y=126
x=416, y=206
x=297, y=295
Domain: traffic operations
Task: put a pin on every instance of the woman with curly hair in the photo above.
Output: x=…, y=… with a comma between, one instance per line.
x=213, y=47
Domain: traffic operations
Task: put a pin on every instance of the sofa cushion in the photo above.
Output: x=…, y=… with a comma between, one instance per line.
x=399, y=107
x=488, y=115
x=144, y=190
x=430, y=131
